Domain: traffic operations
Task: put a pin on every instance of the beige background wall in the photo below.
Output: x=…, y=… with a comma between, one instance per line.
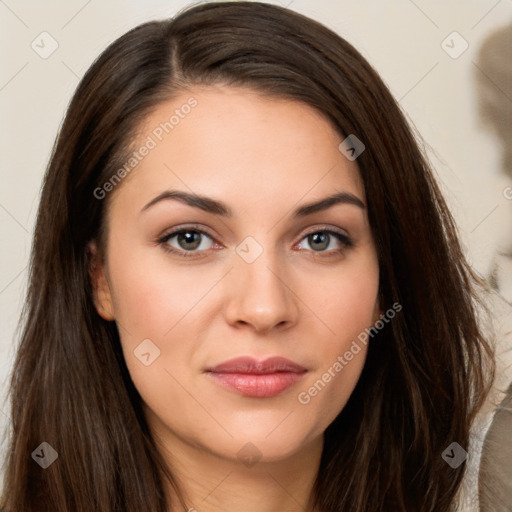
x=401, y=38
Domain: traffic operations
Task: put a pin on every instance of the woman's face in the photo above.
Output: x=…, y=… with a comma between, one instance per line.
x=253, y=274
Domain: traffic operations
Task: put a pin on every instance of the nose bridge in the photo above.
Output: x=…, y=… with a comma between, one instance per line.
x=258, y=292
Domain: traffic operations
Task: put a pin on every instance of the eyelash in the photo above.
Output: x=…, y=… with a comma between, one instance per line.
x=345, y=241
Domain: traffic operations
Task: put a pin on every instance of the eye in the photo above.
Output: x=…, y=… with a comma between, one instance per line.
x=326, y=240
x=185, y=242
x=191, y=242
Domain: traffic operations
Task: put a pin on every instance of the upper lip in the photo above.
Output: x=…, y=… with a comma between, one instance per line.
x=250, y=365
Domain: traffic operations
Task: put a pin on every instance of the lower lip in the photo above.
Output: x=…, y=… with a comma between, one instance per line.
x=258, y=386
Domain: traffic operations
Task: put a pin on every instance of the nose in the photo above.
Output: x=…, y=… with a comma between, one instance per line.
x=260, y=295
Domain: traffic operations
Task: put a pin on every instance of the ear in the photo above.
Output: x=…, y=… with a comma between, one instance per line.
x=377, y=312
x=101, y=290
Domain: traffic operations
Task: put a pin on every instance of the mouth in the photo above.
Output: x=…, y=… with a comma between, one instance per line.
x=258, y=379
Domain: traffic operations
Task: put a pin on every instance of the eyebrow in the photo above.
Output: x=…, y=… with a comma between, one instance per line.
x=216, y=207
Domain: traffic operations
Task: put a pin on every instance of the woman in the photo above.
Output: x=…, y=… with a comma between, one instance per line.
x=250, y=369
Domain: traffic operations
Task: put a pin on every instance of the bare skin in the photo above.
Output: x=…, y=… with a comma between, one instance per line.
x=303, y=298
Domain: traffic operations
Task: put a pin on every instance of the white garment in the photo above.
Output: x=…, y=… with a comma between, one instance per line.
x=468, y=498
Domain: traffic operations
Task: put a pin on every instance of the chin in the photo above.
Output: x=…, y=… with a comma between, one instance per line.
x=260, y=446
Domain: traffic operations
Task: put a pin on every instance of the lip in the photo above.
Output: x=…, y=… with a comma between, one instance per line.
x=251, y=365
x=259, y=379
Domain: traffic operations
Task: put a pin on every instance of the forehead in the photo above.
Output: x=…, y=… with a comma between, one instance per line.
x=242, y=146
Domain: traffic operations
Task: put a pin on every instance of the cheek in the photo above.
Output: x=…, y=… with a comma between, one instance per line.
x=151, y=297
x=346, y=310
x=346, y=303
x=158, y=310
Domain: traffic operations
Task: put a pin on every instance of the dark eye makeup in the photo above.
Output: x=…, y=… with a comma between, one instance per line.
x=193, y=236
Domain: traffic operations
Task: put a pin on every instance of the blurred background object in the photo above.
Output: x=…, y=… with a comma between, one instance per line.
x=493, y=76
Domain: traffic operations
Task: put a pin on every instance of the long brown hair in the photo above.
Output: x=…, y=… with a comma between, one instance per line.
x=427, y=371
